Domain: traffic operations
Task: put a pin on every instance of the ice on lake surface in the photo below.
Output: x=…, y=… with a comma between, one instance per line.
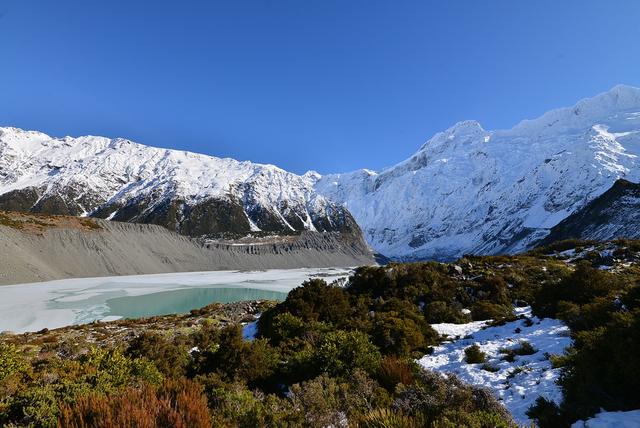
x=34, y=306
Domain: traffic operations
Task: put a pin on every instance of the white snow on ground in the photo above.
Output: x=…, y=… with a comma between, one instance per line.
x=52, y=304
x=517, y=384
x=629, y=419
x=457, y=331
x=250, y=330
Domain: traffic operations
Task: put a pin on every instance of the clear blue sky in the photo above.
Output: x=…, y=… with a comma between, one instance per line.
x=304, y=84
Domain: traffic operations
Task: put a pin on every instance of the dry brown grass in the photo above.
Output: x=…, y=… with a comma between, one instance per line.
x=38, y=223
x=178, y=403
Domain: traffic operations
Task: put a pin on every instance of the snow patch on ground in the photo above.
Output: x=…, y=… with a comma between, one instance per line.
x=250, y=331
x=629, y=419
x=517, y=384
x=458, y=331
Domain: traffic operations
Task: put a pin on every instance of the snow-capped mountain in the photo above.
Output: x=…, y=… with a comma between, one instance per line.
x=194, y=194
x=469, y=190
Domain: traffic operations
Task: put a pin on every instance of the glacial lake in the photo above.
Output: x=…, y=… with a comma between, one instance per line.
x=184, y=300
x=53, y=304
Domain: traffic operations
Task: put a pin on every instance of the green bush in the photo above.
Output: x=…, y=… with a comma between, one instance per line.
x=547, y=414
x=313, y=301
x=603, y=369
x=490, y=368
x=109, y=370
x=439, y=312
x=524, y=348
x=437, y=399
x=583, y=285
x=11, y=361
x=169, y=356
x=485, y=310
x=340, y=352
x=396, y=334
x=473, y=355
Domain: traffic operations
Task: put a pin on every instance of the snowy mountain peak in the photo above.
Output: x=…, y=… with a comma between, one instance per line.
x=468, y=190
x=192, y=193
x=587, y=111
x=462, y=132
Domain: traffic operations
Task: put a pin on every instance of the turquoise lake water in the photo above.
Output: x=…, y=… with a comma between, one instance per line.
x=183, y=301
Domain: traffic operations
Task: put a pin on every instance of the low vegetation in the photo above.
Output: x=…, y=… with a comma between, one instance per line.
x=334, y=356
x=39, y=222
x=473, y=355
x=602, y=369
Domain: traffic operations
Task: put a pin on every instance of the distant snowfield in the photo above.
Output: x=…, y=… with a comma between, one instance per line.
x=53, y=304
x=518, y=384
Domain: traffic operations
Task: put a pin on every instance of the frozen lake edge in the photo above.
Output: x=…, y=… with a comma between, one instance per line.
x=59, y=303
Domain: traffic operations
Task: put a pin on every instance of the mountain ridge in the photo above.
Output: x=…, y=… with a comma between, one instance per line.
x=193, y=194
x=614, y=214
x=469, y=190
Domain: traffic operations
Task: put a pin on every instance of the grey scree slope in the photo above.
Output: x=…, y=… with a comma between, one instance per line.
x=132, y=249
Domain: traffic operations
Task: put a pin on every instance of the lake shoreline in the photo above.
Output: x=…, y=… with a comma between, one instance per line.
x=59, y=303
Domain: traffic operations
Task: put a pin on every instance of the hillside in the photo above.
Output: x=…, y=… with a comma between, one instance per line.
x=41, y=247
x=371, y=353
x=472, y=191
x=614, y=214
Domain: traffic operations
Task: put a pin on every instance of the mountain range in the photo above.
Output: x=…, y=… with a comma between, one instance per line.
x=190, y=193
x=466, y=190
x=469, y=190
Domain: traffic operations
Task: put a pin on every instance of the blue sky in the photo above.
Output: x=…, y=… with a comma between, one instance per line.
x=304, y=84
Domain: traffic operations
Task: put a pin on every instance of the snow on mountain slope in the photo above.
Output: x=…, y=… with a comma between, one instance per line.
x=188, y=192
x=468, y=190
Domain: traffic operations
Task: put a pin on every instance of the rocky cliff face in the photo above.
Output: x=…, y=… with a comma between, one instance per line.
x=614, y=214
x=469, y=190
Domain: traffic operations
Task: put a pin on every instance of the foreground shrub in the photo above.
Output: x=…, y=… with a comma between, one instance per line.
x=400, y=334
x=473, y=355
x=446, y=400
x=11, y=361
x=179, y=404
x=394, y=371
x=341, y=352
x=385, y=418
x=169, y=356
x=313, y=301
x=232, y=358
x=320, y=401
x=108, y=370
x=485, y=310
x=603, y=369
